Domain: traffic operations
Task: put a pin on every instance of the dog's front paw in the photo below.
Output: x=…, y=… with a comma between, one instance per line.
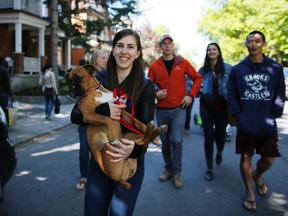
x=157, y=141
x=114, y=142
x=163, y=129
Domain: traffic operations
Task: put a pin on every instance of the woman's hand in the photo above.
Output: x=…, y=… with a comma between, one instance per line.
x=115, y=109
x=121, y=151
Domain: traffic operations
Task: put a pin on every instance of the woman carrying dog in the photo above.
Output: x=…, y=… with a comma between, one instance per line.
x=125, y=70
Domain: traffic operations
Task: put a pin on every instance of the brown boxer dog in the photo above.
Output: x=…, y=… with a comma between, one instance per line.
x=102, y=129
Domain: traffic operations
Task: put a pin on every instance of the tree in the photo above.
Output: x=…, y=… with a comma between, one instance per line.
x=98, y=14
x=229, y=21
x=149, y=40
x=54, y=38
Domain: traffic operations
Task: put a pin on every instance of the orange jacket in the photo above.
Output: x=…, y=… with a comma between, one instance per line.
x=175, y=83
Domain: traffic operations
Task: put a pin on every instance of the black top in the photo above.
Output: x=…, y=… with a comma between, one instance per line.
x=144, y=107
x=4, y=81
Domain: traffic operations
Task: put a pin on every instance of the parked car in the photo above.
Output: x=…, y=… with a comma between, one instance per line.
x=8, y=158
x=285, y=69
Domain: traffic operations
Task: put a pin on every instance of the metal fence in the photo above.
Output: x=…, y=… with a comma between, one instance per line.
x=31, y=6
x=32, y=66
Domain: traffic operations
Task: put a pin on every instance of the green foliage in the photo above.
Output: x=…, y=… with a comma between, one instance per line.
x=228, y=22
x=29, y=91
x=37, y=90
x=100, y=13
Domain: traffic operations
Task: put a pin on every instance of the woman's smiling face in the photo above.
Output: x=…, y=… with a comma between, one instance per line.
x=125, y=52
x=213, y=52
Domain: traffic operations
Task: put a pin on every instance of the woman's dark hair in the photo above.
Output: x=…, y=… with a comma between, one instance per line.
x=46, y=66
x=136, y=76
x=219, y=67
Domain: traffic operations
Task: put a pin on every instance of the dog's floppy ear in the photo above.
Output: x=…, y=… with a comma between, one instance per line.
x=89, y=68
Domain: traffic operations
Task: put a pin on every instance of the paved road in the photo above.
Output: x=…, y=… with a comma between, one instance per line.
x=43, y=184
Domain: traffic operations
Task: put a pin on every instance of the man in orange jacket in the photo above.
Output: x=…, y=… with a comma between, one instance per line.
x=168, y=74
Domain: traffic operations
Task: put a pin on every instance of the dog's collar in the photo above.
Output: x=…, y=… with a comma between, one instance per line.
x=92, y=89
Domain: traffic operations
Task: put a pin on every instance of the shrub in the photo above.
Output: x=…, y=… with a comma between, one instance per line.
x=37, y=91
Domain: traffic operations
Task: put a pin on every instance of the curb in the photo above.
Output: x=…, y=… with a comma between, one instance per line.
x=31, y=139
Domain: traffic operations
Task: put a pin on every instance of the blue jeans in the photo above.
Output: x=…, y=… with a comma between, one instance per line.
x=49, y=104
x=83, y=151
x=214, y=126
x=188, y=116
x=172, y=140
x=104, y=196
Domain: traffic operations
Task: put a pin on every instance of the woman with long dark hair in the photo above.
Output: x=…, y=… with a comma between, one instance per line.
x=125, y=70
x=213, y=106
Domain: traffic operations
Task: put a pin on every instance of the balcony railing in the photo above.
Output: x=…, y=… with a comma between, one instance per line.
x=32, y=6
x=32, y=66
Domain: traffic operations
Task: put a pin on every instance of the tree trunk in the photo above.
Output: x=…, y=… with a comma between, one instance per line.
x=54, y=38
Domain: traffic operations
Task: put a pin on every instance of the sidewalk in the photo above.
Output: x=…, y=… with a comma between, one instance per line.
x=31, y=122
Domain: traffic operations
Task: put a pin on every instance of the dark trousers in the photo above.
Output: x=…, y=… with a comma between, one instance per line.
x=214, y=126
x=84, y=152
x=4, y=99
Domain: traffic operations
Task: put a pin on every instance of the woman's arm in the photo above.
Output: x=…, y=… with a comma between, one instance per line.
x=146, y=111
x=145, y=105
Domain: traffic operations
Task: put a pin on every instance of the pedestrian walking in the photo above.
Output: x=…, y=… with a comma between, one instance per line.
x=213, y=106
x=5, y=86
x=99, y=60
x=49, y=87
x=84, y=153
x=168, y=74
x=10, y=64
x=256, y=96
x=189, y=84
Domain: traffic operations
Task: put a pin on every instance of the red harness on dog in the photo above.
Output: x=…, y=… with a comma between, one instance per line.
x=122, y=97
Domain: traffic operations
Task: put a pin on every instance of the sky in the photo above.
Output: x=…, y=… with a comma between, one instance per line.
x=180, y=18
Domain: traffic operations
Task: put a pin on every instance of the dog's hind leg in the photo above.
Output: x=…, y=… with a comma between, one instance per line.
x=160, y=130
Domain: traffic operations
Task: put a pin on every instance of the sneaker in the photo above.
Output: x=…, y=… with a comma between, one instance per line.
x=167, y=174
x=218, y=159
x=187, y=132
x=177, y=181
x=209, y=175
x=81, y=185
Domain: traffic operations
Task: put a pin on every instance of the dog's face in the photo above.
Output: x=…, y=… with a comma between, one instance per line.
x=76, y=80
